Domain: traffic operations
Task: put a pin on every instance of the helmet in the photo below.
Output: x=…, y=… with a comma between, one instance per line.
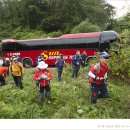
x=104, y=54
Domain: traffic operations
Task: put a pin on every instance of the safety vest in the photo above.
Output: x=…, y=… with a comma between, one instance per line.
x=100, y=71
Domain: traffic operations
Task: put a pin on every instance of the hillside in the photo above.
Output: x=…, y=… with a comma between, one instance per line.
x=70, y=99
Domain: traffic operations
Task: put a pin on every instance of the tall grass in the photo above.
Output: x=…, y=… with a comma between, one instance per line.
x=70, y=99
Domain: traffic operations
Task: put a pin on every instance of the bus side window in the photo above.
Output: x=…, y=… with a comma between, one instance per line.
x=58, y=46
x=93, y=45
x=22, y=47
x=104, y=46
x=9, y=46
x=40, y=47
x=79, y=45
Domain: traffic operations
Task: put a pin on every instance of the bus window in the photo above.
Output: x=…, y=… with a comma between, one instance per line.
x=79, y=45
x=22, y=47
x=58, y=46
x=93, y=46
x=39, y=47
x=9, y=46
x=104, y=46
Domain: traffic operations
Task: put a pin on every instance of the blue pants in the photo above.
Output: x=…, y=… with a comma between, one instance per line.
x=95, y=92
x=41, y=92
x=59, y=74
x=75, y=71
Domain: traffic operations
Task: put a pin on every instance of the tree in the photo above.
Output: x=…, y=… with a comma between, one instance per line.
x=84, y=27
x=55, y=15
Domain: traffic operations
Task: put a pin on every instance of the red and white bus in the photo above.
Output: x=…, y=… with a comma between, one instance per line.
x=66, y=44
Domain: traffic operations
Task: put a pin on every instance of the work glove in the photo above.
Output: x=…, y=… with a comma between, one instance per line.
x=44, y=76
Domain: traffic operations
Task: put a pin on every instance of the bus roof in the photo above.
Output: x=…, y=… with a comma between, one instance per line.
x=81, y=35
x=66, y=36
x=14, y=40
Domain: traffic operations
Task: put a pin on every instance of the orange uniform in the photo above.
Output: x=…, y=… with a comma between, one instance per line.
x=4, y=71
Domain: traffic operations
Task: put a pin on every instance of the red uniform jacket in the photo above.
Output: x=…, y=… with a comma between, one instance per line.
x=4, y=71
x=99, y=73
x=38, y=75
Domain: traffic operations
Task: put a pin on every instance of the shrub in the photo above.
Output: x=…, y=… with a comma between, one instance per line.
x=84, y=27
x=120, y=64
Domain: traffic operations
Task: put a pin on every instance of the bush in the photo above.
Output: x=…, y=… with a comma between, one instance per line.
x=120, y=64
x=84, y=27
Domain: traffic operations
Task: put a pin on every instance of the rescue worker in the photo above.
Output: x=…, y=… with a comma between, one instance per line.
x=39, y=58
x=83, y=59
x=6, y=62
x=17, y=70
x=43, y=76
x=76, y=61
x=3, y=74
x=60, y=63
x=12, y=58
x=98, y=75
x=18, y=58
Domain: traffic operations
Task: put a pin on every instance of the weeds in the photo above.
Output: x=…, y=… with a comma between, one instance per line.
x=70, y=99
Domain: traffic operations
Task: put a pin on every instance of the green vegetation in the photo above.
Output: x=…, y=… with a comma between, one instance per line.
x=85, y=27
x=21, y=19
x=70, y=99
x=27, y=19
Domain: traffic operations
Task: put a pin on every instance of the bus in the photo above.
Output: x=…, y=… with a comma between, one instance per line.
x=50, y=48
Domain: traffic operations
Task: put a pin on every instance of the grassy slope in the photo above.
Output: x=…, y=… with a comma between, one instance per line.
x=70, y=99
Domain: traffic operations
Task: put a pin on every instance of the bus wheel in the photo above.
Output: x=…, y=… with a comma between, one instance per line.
x=27, y=63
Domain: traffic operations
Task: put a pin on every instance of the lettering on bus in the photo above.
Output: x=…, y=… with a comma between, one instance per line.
x=13, y=54
x=50, y=55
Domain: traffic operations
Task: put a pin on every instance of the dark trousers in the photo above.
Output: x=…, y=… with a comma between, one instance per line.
x=2, y=80
x=75, y=70
x=59, y=74
x=18, y=81
x=98, y=91
x=42, y=91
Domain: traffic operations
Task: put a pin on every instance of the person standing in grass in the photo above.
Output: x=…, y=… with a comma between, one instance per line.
x=6, y=62
x=60, y=63
x=3, y=74
x=98, y=75
x=76, y=62
x=42, y=76
x=17, y=70
x=40, y=58
x=83, y=59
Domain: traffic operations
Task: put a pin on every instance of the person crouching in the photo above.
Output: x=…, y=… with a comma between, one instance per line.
x=98, y=75
x=43, y=76
x=3, y=74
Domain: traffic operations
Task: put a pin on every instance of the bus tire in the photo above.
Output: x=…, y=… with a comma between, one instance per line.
x=27, y=63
